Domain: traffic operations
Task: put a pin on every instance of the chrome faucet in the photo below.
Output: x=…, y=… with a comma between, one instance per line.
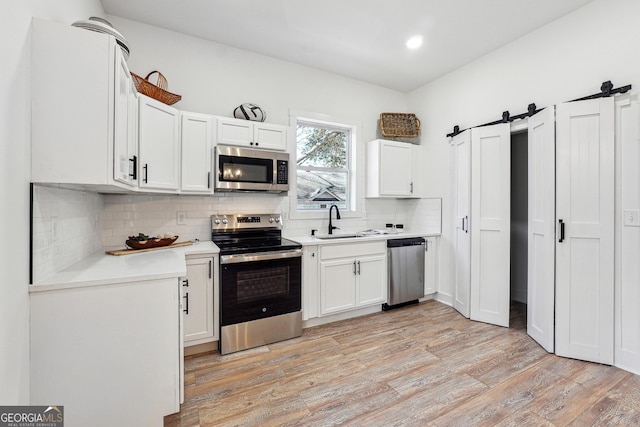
x=331, y=227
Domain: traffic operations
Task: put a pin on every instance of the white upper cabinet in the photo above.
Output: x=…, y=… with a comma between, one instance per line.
x=251, y=134
x=390, y=169
x=125, y=145
x=159, y=127
x=196, y=143
x=81, y=99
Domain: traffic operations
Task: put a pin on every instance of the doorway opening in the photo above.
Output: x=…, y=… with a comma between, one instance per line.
x=519, y=229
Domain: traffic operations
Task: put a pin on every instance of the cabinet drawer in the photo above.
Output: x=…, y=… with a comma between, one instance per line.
x=352, y=250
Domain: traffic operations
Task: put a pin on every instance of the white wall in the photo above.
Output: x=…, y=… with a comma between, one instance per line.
x=214, y=79
x=15, y=134
x=564, y=60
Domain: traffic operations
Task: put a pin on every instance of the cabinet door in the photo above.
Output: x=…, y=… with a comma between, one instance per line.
x=491, y=224
x=72, y=88
x=430, y=265
x=584, y=243
x=159, y=145
x=234, y=132
x=371, y=276
x=461, y=211
x=271, y=137
x=125, y=149
x=337, y=285
x=396, y=177
x=196, y=141
x=198, y=301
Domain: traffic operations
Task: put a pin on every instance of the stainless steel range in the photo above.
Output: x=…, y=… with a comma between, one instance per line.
x=260, y=281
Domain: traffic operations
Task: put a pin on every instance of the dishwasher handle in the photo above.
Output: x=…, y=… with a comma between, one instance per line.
x=410, y=241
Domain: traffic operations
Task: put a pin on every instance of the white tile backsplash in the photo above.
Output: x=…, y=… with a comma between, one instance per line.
x=85, y=222
x=67, y=227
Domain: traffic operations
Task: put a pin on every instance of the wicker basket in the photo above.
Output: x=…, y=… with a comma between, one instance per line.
x=156, y=91
x=399, y=125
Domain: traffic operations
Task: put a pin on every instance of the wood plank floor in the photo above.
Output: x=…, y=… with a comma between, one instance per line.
x=423, y=365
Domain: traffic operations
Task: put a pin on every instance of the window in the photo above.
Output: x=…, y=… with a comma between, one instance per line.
x=323, y=165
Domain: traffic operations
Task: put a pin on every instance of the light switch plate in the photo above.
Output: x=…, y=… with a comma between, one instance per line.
x=632, y=217
x=181, y=218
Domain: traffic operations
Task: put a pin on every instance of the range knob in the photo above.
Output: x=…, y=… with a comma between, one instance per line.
x=277, y=219
x=271, y=220
x=216, y=221
x=225, y=221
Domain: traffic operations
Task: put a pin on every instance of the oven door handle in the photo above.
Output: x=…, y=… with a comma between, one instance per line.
x=260, y=256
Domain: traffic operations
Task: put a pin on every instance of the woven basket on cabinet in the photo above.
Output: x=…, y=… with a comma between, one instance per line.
x=156, y=91
x=399, y=125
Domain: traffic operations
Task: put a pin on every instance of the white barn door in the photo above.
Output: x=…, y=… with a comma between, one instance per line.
x=541, y=228
x=490, y=223
x=585, y=235
x=627, y=292
x=461, y=146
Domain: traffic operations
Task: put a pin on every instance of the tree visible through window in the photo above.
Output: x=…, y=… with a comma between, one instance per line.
x=322, y=166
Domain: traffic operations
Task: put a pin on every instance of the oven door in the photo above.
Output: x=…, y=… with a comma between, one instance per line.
x=257, y=286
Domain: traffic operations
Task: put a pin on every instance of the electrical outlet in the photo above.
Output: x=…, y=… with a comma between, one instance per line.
x=181, y=218
x=632, y=217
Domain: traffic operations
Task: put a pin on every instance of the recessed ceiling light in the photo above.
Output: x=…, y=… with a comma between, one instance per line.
x=414, y=42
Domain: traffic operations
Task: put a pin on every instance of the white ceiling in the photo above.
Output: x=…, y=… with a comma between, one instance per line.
x=361, y=39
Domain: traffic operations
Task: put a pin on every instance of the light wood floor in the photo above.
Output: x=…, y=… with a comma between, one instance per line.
x=423, y=365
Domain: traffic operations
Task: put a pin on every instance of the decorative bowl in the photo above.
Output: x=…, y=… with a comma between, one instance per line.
x=151, y=243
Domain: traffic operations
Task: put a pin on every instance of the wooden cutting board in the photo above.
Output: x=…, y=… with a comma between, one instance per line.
x=119, y=252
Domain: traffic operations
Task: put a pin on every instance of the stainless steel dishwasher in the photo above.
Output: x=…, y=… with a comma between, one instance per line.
x=405, y=271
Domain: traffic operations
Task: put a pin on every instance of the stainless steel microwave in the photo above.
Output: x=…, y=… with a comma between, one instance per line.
x=249, y=169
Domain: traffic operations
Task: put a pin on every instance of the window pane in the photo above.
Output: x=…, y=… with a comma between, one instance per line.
x=319, y=190
x=322, y=147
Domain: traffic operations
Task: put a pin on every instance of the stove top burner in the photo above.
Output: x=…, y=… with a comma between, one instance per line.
x=239, y=234
x=250, y=245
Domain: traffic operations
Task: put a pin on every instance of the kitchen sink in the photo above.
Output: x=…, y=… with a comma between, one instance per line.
x=337, y=236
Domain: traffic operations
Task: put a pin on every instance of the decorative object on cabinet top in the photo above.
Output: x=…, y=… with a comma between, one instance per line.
x=399, y=125
x=100, y=25
x=156, y=91
x=250, y=112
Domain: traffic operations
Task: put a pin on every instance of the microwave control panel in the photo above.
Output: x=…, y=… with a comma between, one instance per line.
x=283, y=172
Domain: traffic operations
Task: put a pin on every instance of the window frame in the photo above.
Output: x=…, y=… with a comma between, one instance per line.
x=354, y=190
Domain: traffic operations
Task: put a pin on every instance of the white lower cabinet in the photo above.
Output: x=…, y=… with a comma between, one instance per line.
x=310, y=282
x=430, y=265
x=94, y=347
x=352, y=275
x=200, y=300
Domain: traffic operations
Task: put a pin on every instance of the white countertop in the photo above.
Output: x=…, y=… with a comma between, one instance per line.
x=102, y=269
x=311, y=240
